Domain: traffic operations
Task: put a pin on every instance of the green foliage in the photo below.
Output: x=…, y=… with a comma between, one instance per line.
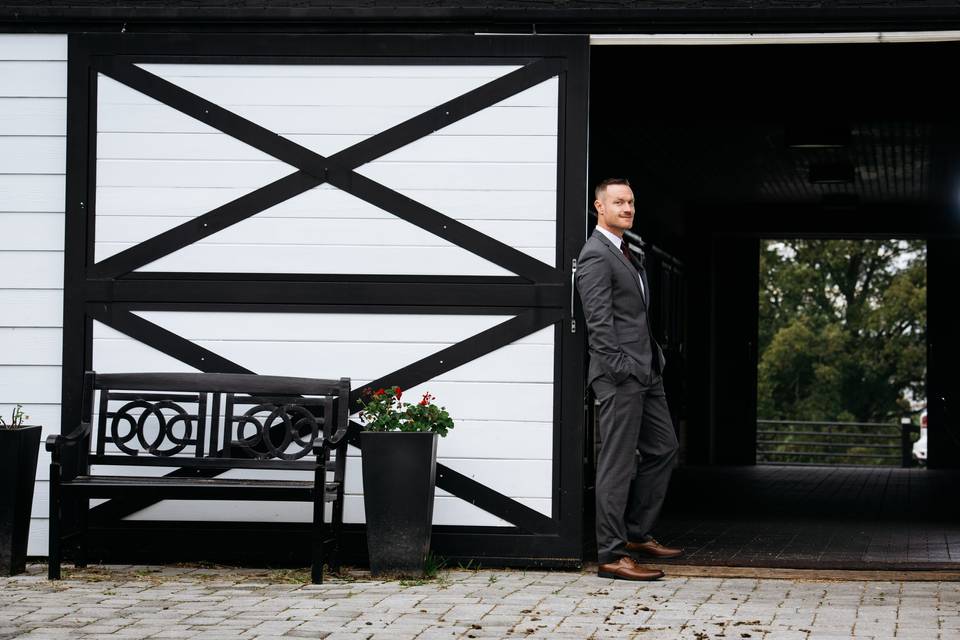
x=16, y=418
x=384, y=411
x=842, y=331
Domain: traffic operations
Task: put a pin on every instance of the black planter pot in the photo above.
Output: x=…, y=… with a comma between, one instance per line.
x=18, y=474
x=399, y=472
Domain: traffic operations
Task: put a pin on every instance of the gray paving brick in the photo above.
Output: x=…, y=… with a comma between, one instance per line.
x=225, y=603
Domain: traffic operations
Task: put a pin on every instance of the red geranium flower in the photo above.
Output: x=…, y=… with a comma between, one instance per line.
x=397, y=391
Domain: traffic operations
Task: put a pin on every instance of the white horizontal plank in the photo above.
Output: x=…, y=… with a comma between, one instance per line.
x=442, y=146
x=33, y=116
x=329, y=327
x=327, y=202
x=33, y=46
x=451, y=511
x=513, y=478
x=320, y=232
x=175, y=146
x=426, y=70
x=218, y=146
x=32, y=79
x=31, y=308
x=317, y=91
x=503, y=176
x=33, y=154
x=300, y=120
x=28, y=345
x=211, y=258
x=487, y=176
x=31, y=231
x=37, y=542
x=187, y=173
x=516, y=402
x=29, y=385
x=26, y=193
x=493, y=401
x=31, y=270
x=446, y=511
x=514, y=363
x=46, y=415
x=423, y=93
x=136, y=356
x=498, y=439
x=40, y=508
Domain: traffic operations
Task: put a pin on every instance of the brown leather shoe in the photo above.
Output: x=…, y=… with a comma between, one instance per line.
x=627, y=569
x=653, y=549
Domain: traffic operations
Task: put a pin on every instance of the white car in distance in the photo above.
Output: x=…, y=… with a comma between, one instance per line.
x=920, y=446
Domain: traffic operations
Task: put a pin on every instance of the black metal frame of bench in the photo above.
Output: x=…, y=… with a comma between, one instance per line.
x=203, y=424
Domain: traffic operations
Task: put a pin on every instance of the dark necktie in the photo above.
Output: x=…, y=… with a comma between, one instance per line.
x=636, y=265
x=629, y=255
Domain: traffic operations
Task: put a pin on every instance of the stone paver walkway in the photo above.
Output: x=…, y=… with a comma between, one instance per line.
x=227, y=603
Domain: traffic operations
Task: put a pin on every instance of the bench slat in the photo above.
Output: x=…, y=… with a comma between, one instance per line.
x=217, y=382
x=147, y=460
x=169, y=487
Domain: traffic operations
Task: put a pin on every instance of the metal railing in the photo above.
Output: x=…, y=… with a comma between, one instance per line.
x=851, y=443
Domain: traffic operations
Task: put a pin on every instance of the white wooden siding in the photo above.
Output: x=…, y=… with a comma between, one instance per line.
x=495, y=170
x=33, y=89
x=502, y=402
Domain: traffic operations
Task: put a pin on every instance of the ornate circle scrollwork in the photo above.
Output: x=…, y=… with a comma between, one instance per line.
x=164, y=432
x=274, y=434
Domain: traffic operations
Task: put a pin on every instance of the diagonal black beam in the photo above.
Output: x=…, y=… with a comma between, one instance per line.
x=164, y=341
x=202, y=226
x=315, y=169
x=416, y=373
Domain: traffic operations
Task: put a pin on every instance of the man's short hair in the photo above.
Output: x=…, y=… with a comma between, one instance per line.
x=602, y=186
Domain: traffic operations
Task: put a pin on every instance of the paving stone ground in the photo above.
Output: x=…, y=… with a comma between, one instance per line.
x=209, y=603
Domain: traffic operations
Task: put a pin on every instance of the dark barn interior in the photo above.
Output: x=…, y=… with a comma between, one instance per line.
x=728, y=145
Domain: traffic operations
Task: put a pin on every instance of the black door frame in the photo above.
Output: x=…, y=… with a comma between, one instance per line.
x=539, y=296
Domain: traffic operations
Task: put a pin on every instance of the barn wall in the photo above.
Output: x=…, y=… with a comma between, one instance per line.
x=33, y=90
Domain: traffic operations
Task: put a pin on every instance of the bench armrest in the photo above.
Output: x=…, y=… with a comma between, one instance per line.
x=57, y=441
x=333, y=442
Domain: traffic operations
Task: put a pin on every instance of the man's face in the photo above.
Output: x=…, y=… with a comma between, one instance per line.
x=615, y=208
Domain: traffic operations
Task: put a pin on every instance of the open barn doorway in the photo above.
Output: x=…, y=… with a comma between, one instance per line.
x=728, y=148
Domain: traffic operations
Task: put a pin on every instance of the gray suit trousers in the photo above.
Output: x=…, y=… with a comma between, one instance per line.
x=630, y=488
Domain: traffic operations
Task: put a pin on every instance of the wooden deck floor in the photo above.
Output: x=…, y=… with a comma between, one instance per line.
x=815, y=517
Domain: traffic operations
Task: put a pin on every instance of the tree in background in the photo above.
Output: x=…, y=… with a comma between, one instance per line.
x=842, y=331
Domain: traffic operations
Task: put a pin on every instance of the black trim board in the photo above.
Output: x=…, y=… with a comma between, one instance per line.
x=522, y=18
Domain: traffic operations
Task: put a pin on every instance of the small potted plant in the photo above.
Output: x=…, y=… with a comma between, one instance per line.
x=399, y=453
x=19, y=445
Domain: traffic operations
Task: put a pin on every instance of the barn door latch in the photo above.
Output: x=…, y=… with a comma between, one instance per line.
x=573, y=282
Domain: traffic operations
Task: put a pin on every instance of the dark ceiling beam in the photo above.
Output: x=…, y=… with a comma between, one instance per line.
x=570, y=16
x=799, y=220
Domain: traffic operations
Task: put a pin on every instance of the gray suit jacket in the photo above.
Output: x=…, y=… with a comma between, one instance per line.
x=620, y=341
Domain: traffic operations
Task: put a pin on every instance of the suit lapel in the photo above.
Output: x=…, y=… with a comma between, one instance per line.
x=626, y=263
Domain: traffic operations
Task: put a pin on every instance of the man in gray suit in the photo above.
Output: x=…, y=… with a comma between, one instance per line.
x=625, y=372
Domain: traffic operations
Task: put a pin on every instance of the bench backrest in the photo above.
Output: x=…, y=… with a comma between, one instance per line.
x=213, y=420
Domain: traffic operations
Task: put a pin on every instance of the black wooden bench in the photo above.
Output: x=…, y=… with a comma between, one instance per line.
x=201, y=425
